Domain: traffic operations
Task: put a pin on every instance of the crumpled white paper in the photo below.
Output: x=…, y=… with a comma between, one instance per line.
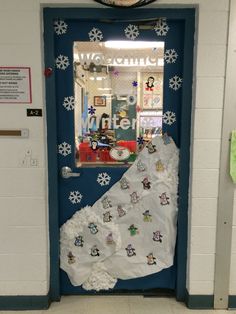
x=130, y=231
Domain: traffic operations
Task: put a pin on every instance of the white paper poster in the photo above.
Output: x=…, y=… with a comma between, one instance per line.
x=15, y=85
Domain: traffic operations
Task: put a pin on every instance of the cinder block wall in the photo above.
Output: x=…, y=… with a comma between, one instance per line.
x=24, y=267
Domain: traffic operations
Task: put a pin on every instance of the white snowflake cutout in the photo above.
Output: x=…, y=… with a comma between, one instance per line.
x=95, y=34
x=62, y=62
x=60, y=27
x=170, y=56
x=103, y=178
x=64, y=149
x=75, y=197
x=175, y=82
x=161, y=28
x=131, y=31
x=69, y=103
x=169, y=117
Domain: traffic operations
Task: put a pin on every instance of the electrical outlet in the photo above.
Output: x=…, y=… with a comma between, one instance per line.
x=33, y=162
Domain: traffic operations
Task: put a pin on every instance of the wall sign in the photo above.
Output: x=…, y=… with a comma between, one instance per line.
x=34, y=112
x=15, y=85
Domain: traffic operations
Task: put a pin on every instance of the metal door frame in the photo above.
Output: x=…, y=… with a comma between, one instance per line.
x=188, y=17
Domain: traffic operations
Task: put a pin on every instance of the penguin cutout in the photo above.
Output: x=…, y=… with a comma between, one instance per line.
x=164, y=199
x=157, y=236
x=151, y=260
x=121, y=211
x=93, y=228
x=130, y=250
x=71, y=258
x=79, y=241
x=94, y=251
x=146, y=184
x=107, y=217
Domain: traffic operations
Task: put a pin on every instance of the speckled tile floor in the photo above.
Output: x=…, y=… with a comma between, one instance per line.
x=119, y=305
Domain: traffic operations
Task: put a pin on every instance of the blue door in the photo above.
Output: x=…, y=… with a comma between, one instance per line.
x=94, y=169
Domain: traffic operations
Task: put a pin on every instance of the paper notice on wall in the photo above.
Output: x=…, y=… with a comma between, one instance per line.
x=15, y=85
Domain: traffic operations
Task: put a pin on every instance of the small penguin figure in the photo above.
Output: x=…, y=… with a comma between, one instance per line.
x=133, y=230
x=109, y=238
x=94, y=251
x=159, y=166
x=166, y=139
x=93, y=228
x=106, y=203
x=130, y=250
x=147, y=217
x=157, y=236
x=124, y=184
x=150, y=83
x=79, y=241
x=107, y=217
x=94, y=145
x=71, y=258
x=146, y=184
x=121, y=211
x=151, y=260
x=134, y=198
x=140, y=166
x=151, y=148
x=164, y=199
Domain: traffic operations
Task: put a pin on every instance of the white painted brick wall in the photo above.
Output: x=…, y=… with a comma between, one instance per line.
x=23, y=192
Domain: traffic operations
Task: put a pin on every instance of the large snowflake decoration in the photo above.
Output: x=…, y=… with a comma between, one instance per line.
x=60, y=27
x=131, y=31
x=103, y=178
x=62, y=62
x=170, y=56
x=75, y=197
x=91, y=110
x=95, y=34
x=69, y=103
x=175, y=82
x=64, y=149
x=161, y=28
x=169, y=117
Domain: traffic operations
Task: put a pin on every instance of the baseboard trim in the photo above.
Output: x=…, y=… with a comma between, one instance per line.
x=199, y=301
x=19, y=303
x=232, y=302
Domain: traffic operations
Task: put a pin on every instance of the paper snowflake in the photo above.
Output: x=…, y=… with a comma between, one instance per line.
x=69, y=103
x=91, y=110
x=170, y=56
x=95, y=34
x=131, y=31
x=140, y=140
x=103, y=178
x=62, y=62
x=175, y=82
x=60, y=27
x=64, y=149
x=115, y=73
x=75, y=197
x=169, y=117
x=161, y=28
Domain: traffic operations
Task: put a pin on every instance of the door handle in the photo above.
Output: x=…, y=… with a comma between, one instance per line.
x=67, y=173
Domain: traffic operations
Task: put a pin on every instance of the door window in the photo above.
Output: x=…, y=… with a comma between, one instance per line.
x=118, y=89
